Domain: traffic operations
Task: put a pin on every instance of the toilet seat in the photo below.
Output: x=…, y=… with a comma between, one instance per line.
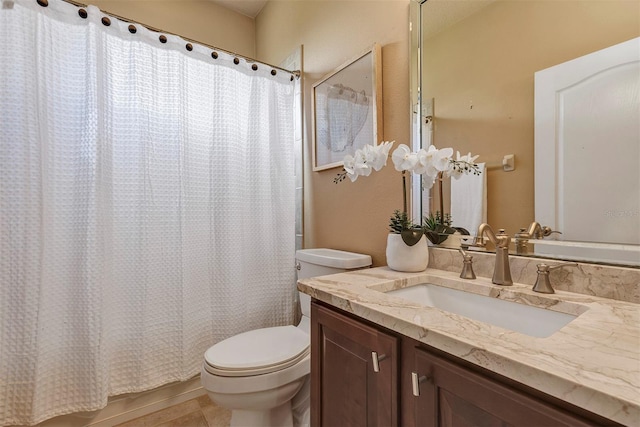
x=257, y=352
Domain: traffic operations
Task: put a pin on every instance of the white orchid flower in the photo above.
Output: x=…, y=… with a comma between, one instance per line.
x=468, y=158
x=369, y=154
x=365, y=160
x=385, y=146
x=403, y=158
x=424, y=161
x=349, y=164
x=431, y=152
x=427, y=158
x=375, y=155
x=361, y=166
x=442, y=160
x=454, y=172
x=463, y=165
x=381, y=154
x=433, y=161
x=428, y=163
x=428, y=181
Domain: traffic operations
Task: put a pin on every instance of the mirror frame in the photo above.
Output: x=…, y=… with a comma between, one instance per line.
x=415, y=83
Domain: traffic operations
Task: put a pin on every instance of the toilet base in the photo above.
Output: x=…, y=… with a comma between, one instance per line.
x=276, y=417
x=265, y=408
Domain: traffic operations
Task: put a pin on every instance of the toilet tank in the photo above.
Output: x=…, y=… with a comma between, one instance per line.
x=320, y=262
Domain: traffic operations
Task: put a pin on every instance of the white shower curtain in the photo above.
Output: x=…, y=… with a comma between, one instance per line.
x=146, y=207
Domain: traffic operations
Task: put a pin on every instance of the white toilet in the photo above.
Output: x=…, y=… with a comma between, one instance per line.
x=256, y=374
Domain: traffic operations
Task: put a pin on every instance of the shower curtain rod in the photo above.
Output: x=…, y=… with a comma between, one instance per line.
x=295, y=73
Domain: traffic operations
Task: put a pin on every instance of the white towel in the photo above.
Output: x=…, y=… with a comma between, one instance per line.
x=469, y=200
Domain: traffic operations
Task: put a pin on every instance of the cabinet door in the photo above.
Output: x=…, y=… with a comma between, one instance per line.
x=348, y=387
x=451, y=395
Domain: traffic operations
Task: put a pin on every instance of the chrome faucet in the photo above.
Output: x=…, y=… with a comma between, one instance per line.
x=501, y=271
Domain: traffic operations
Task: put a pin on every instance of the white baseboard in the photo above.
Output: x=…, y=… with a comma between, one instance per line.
x=127, y=407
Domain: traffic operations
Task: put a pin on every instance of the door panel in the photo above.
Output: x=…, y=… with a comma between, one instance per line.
x=453, y=396
x=346, y=390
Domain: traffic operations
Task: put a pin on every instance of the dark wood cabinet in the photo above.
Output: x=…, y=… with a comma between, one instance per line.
x=354, y=371
x=413, y=385
x=446, y=394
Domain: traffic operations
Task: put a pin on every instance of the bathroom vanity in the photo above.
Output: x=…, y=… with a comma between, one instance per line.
x=423, y=385
x=383, y=358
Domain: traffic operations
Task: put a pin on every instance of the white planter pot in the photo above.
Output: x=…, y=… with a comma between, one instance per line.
x=401, y=257
x=453, y=241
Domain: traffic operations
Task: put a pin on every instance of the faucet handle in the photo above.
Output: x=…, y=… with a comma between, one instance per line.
x=543, y=284
x=467, y=266
x=547, y=231
x=479, y=242
x=562, y=264
x=522, y=241
x=503, y=238
x=535, y=231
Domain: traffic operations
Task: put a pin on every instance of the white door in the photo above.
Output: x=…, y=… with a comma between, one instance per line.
x=587, y=146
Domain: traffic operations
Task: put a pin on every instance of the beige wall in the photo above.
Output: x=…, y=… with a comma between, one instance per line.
x=488, y=61
x=200, y=20
x=347, y=216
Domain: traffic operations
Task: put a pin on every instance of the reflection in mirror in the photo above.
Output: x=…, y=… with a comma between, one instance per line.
x=478, y=64
x=587, y=145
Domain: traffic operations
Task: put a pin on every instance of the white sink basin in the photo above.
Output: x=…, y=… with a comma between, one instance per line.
x=526, y=319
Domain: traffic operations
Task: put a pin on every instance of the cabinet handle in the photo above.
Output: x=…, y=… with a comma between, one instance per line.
x=415, y=382
x=376, y=360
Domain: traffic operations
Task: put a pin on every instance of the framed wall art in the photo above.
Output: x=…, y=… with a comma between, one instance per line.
x=347, y=109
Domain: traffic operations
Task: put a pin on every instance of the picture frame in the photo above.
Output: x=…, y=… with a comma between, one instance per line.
x=347, y=109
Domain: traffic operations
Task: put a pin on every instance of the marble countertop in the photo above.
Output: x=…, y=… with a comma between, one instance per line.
x=593, y=362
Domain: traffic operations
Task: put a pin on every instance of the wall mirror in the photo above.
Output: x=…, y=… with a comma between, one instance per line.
x=473, y=68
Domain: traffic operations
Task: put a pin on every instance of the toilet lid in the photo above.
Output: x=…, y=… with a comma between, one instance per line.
x=258, y=351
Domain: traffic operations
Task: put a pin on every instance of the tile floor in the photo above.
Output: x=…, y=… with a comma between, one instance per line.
x=200, y=412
